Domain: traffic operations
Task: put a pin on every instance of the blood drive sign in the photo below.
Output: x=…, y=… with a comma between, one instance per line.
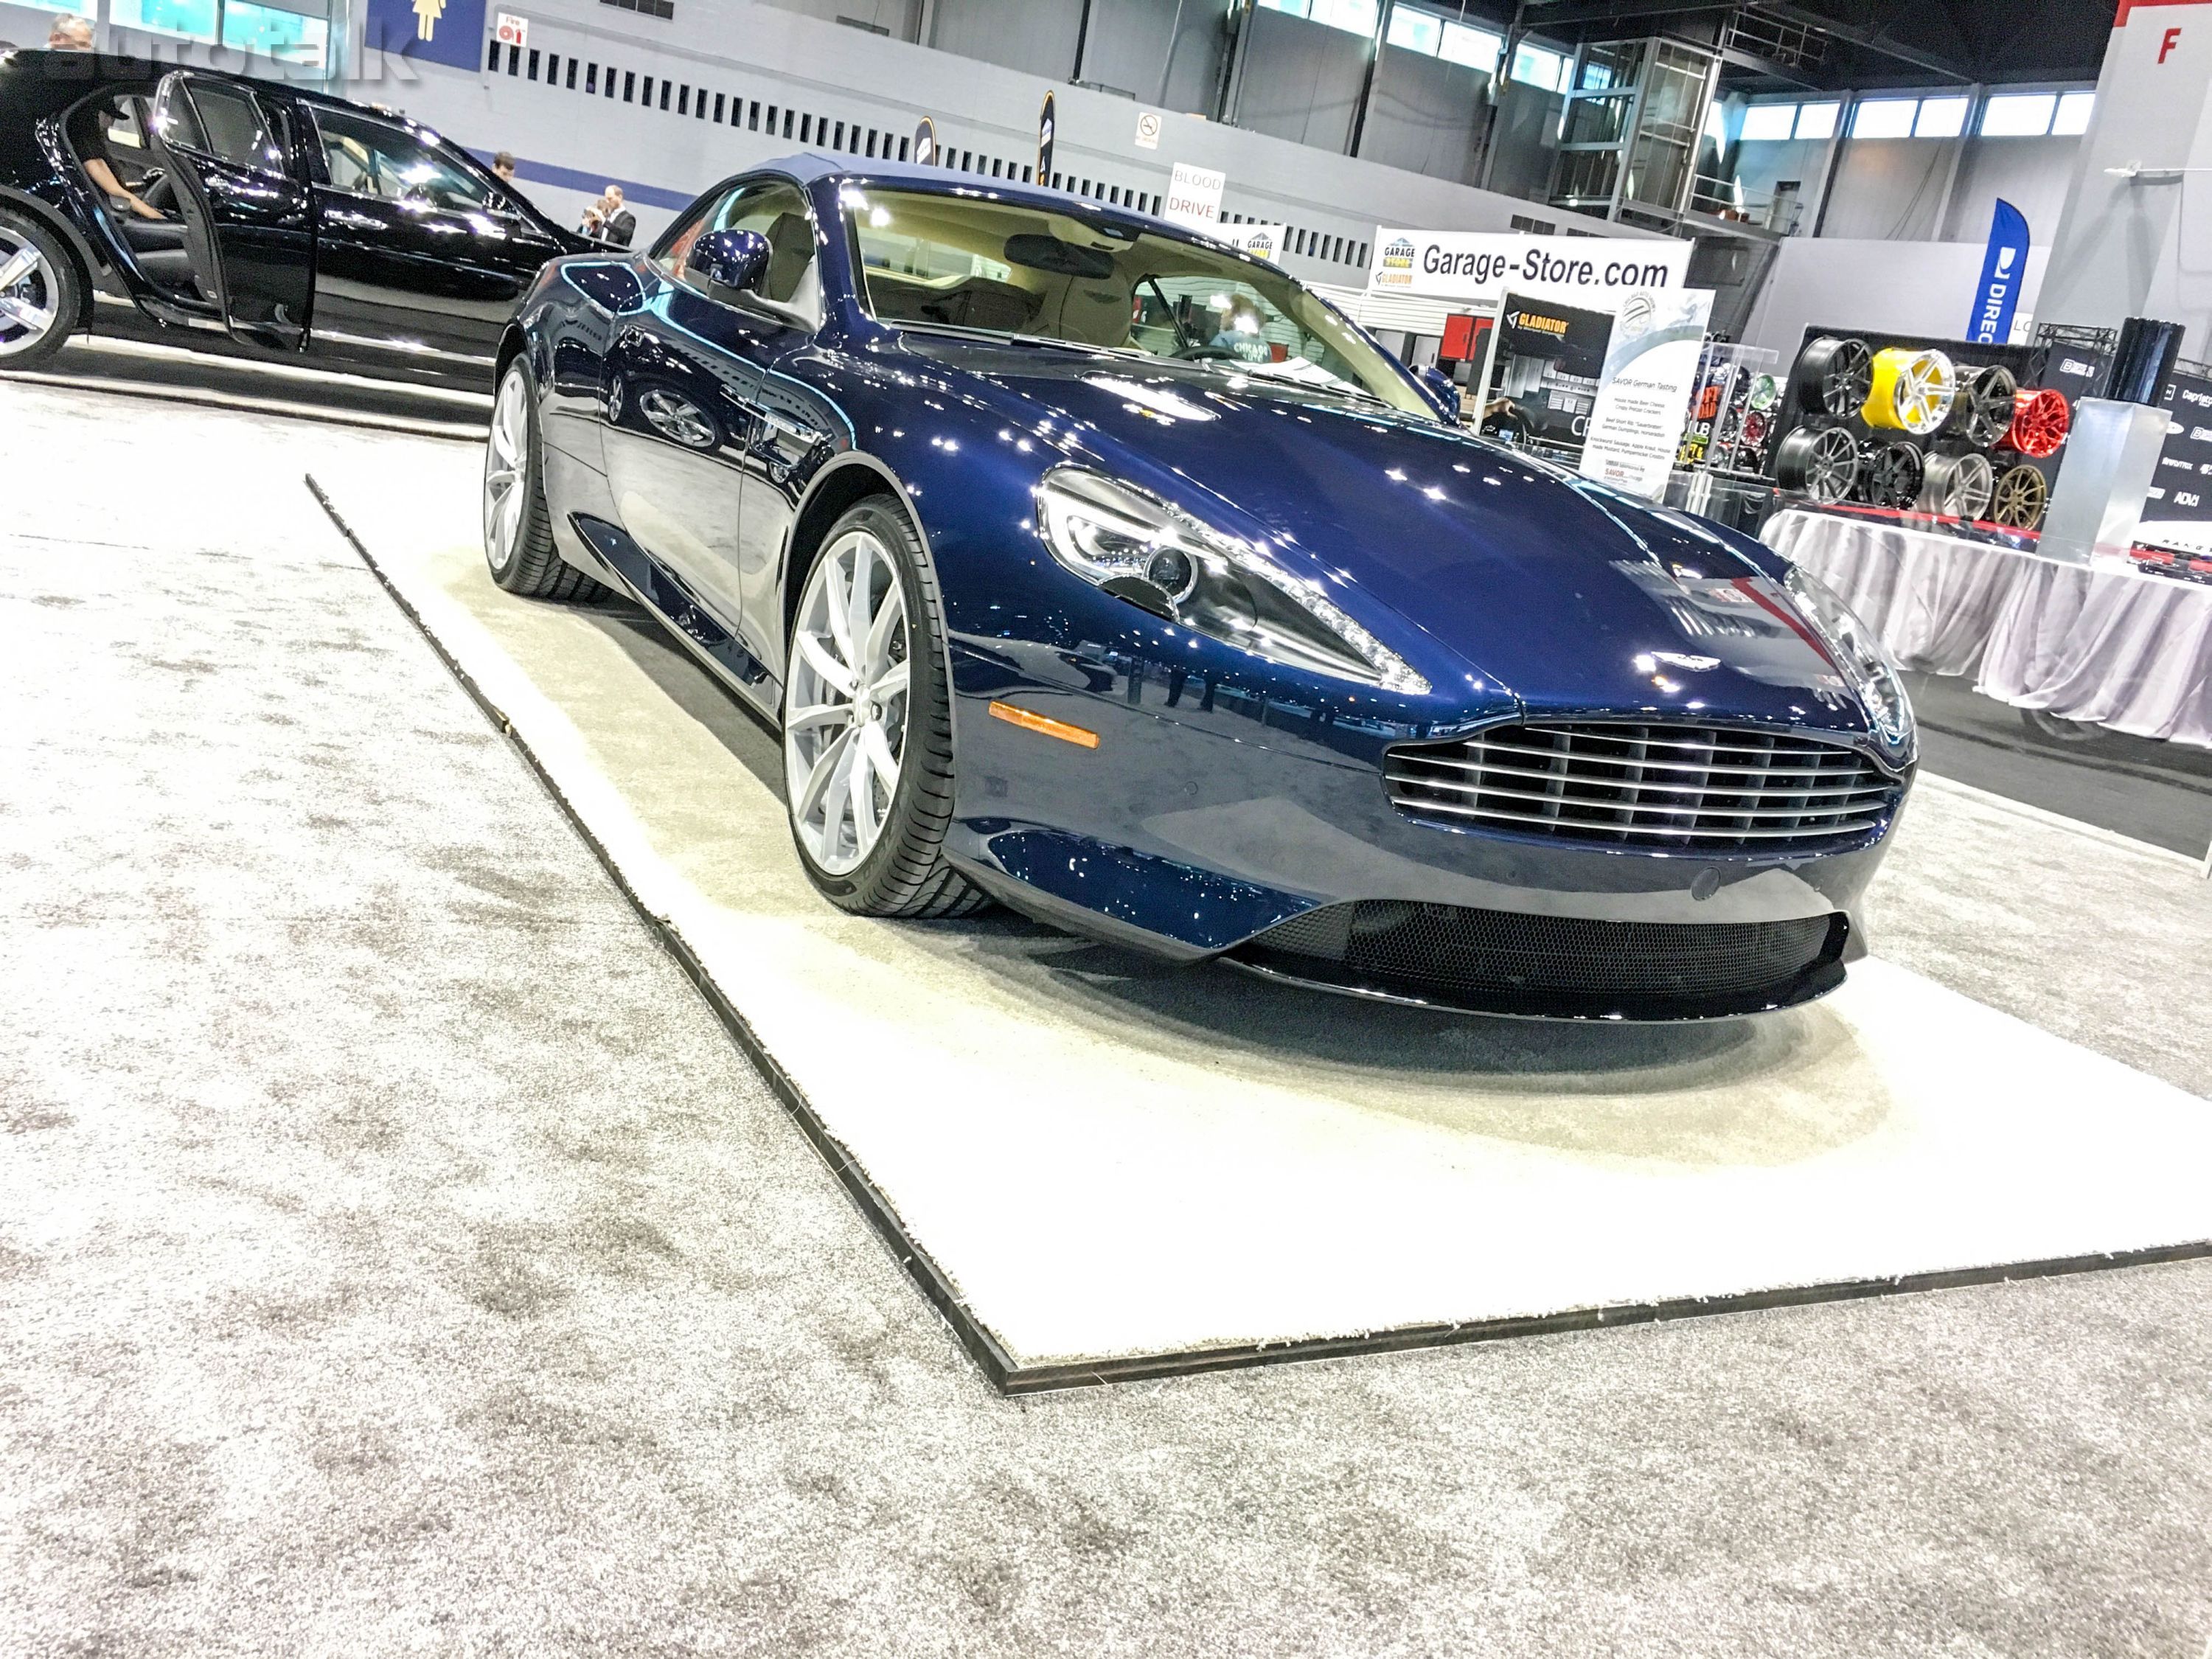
x=1478, y=266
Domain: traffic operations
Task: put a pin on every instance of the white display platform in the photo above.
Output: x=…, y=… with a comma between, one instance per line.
x=1104, y=1168
x=2100, y=642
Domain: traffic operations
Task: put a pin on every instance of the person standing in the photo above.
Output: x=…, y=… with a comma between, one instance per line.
x=69, y=34
x=609, y=220
x=502, y=166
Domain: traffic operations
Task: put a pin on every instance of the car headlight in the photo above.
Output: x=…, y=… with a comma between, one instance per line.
x=1860, y=653
x=1142, y=550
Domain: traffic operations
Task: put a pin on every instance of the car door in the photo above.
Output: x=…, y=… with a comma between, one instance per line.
x=700, y=451
x=417, y=254
x=248, y=216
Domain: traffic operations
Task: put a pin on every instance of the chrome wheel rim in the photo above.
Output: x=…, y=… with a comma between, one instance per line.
x=845, y=703
x=507, y=469
x=28, y=296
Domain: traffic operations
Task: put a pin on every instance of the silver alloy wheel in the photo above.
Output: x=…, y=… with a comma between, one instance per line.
x=845, y=702
x=507, y=469
x=28, y=294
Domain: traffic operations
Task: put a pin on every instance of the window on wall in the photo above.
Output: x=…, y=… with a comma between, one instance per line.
x=1772, y=122
x=1885, y=118
x=1817, y=120
x=2019, y=115
x=1540, y=68
x=2073, y=117
x=1940, y=117
x=1769, y=123
x=1413, y=30
x=283, y=34
x=192, y=19
x=1358, y=16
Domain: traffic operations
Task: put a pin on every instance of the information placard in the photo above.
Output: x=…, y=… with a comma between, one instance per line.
x=1644, y=391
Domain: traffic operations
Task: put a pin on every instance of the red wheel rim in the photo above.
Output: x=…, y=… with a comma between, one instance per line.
x=2040, y=419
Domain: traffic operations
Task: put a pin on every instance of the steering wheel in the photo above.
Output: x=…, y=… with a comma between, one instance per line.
x=1201, y=353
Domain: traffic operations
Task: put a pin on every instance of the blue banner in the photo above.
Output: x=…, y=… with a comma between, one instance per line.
x=428, y=31
x=2004, y=267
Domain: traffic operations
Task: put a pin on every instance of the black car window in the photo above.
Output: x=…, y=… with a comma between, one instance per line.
x=231, y=126
x=367, y=157
x=775, y=208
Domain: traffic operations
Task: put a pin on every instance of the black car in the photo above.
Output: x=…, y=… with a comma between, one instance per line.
x=206, y=209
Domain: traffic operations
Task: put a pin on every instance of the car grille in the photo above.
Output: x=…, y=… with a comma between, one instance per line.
x=1712, y=788
x=1522, y=963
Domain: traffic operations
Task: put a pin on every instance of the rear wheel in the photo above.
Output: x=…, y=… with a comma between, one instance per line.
x=518, y=526
x=41, y=296
x=867, y=725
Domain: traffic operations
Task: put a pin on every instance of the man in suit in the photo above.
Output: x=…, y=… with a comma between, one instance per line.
x=609, y=220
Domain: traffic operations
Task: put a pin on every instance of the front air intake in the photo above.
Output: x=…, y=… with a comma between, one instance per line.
x=1702, y=788
x=1508, y=961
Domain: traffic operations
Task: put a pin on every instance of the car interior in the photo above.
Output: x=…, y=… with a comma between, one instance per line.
x=1011, y=269
x=111, y=129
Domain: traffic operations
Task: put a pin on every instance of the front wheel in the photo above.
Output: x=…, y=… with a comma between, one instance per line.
x=867, y=725
x=517, y=525
x=41, y=296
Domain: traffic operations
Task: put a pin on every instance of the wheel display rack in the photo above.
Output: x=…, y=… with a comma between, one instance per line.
x=1950, y=427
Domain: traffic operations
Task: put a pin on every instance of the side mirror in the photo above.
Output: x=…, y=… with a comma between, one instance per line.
x=1438, y=385
x=734, y=259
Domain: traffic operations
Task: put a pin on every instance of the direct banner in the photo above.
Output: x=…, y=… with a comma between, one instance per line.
x=1480, y=265
x=1644, y=391
x=2003, y=268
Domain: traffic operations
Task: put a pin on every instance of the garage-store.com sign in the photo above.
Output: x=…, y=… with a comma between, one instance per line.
x=1480, y=265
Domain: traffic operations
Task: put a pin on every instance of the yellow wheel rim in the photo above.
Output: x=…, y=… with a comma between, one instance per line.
x=1912, y=390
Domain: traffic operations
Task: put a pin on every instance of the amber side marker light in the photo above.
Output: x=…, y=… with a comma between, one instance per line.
x=1050, y=728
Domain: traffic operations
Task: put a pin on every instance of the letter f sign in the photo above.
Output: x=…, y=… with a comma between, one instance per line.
x=2171, y=38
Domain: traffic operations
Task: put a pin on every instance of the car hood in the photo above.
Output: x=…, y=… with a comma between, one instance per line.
x=1572, y=597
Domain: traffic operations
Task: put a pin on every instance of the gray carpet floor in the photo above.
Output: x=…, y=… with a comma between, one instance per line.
x=396, y=1256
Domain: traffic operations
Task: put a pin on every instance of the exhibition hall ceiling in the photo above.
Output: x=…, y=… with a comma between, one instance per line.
x=1873, y=43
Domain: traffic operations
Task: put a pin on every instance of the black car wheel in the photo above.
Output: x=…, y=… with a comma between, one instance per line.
x=41, y=296
x=518, y=528
x=867, y=723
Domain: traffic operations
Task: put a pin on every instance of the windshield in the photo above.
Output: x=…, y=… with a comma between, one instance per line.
x=1027, y=272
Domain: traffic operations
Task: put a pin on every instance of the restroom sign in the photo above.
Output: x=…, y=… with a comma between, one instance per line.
x=513, y=30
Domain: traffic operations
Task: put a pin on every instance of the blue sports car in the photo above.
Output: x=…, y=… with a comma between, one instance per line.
x=1090, y=565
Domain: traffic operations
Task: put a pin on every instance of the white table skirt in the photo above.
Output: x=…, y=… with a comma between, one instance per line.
x=2098, y=643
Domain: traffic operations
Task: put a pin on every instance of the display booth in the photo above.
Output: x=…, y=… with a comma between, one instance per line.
x=1917, y=478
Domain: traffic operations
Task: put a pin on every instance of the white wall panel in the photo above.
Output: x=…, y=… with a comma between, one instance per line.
x=1900, y=287
x=819, y=74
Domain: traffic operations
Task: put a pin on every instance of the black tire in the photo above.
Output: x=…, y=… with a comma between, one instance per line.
x=906, y=874
x=533, y=566
x=56, y=286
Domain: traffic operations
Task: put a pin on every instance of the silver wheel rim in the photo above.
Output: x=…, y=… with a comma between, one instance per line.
x=845, y=703
x=28, y=295
x=507, y=469
x=1925, y=387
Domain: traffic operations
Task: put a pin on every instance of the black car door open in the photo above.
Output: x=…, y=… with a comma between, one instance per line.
x=416, y=254
x=249, y=223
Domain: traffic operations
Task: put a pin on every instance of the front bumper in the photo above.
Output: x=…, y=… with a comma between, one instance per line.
x=1193, y=837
